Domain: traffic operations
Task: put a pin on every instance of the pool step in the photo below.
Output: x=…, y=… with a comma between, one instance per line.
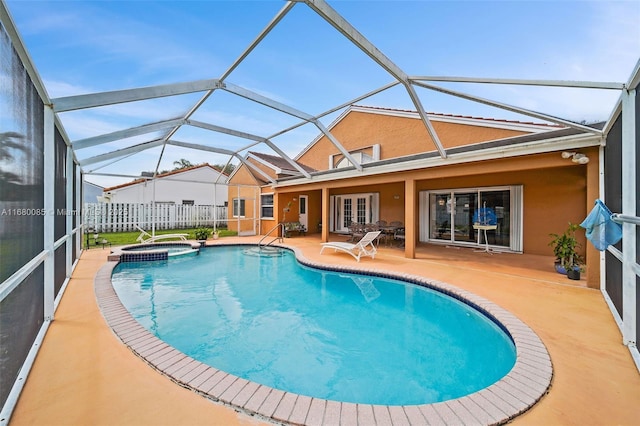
x=264, y=251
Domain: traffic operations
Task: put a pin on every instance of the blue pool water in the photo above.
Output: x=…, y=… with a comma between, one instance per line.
x=329, y=335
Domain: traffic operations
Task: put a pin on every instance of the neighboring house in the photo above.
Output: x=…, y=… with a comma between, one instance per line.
x=190, y=186
x=91, y=192
x=515, y=168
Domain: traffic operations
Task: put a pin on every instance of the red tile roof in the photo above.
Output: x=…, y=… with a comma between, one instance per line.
x=439, y=114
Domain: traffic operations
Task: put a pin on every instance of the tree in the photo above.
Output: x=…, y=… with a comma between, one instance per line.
x=10, y=183
x=182, y=164
x=225, y=168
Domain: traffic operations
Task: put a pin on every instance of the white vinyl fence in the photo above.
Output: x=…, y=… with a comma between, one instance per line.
x=122, y=217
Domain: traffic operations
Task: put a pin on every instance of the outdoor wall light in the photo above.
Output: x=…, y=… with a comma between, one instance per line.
x=576, y=157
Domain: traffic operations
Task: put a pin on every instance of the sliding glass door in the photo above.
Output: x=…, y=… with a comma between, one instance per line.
x=448, y=216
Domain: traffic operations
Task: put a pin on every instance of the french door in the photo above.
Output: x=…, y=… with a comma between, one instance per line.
x=347, y=208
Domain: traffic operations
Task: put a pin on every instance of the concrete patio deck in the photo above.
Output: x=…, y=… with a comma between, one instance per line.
x=85, y=375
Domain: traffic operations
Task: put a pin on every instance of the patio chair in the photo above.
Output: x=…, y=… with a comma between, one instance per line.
x=356, y=231
x=373, y=227
x=364, y=247
x=145, y=237
x=399, y=235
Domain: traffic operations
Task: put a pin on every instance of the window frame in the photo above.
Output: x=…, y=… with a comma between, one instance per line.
x=239, y=207
x=264, y=205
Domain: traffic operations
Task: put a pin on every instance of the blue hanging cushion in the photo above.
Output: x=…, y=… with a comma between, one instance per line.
x=600, y=229
x=485, y=216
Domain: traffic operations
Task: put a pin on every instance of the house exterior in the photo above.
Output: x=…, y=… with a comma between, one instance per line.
x=91, y=192
x=190, y=186
x=517, y=169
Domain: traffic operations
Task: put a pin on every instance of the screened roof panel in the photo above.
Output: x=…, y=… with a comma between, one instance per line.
x=306, y=58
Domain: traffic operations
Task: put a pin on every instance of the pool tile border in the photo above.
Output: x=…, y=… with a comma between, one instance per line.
x=527, y=382
x=158, y=251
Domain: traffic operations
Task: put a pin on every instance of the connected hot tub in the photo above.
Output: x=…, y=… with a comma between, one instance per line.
x=154, y=251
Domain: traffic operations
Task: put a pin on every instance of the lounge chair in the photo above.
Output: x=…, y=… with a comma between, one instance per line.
x=146, y=238
x=364, y=247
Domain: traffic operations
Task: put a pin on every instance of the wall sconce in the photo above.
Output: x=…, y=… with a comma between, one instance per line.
x=396, y=197
x=576, y=157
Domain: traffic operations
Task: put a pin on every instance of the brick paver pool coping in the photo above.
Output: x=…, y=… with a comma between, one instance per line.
x=514, y=394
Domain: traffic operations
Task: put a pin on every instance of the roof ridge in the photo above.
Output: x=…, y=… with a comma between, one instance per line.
x=161, y=175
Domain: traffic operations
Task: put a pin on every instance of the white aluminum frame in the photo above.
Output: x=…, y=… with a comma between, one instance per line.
x=74, y=103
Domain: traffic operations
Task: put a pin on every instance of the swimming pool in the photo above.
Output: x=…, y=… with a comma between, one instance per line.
x=523, y=385
x=325, y=334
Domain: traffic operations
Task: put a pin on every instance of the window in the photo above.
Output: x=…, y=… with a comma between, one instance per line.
x=266, y=206
x=362, y=156
x=238, y=207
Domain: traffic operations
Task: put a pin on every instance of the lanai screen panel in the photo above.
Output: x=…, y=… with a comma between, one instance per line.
x=21, y=211
x=21, y=163
x=613, y=199
x=60, y=195
x=21, y=315
x=76, y=212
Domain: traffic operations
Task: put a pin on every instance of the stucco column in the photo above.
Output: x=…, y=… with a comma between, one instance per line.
x=325, y=214
x=593, y=193
x=410, y=218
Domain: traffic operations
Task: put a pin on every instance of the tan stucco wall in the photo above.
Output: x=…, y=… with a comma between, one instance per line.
x=314, y=209
x=252, y=201
x=552, y=195
x=398, y=136
x=555, y=192
x=242, y=177
x=391, y=209
x=551, y=198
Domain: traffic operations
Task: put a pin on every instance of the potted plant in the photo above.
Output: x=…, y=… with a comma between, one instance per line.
x=565, y=249
x=202, y=234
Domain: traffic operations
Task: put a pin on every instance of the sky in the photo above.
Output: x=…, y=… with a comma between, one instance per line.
x=81, y=47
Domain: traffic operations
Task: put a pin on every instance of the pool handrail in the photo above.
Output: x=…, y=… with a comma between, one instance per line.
x=278, y=238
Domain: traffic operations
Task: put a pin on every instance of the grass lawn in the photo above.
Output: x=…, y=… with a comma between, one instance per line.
x=123, y=238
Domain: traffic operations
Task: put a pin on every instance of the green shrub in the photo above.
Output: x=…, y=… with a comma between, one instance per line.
x=565, y=247
x=202, y=233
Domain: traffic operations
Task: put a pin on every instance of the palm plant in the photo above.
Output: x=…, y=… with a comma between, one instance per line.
x=565, y=248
